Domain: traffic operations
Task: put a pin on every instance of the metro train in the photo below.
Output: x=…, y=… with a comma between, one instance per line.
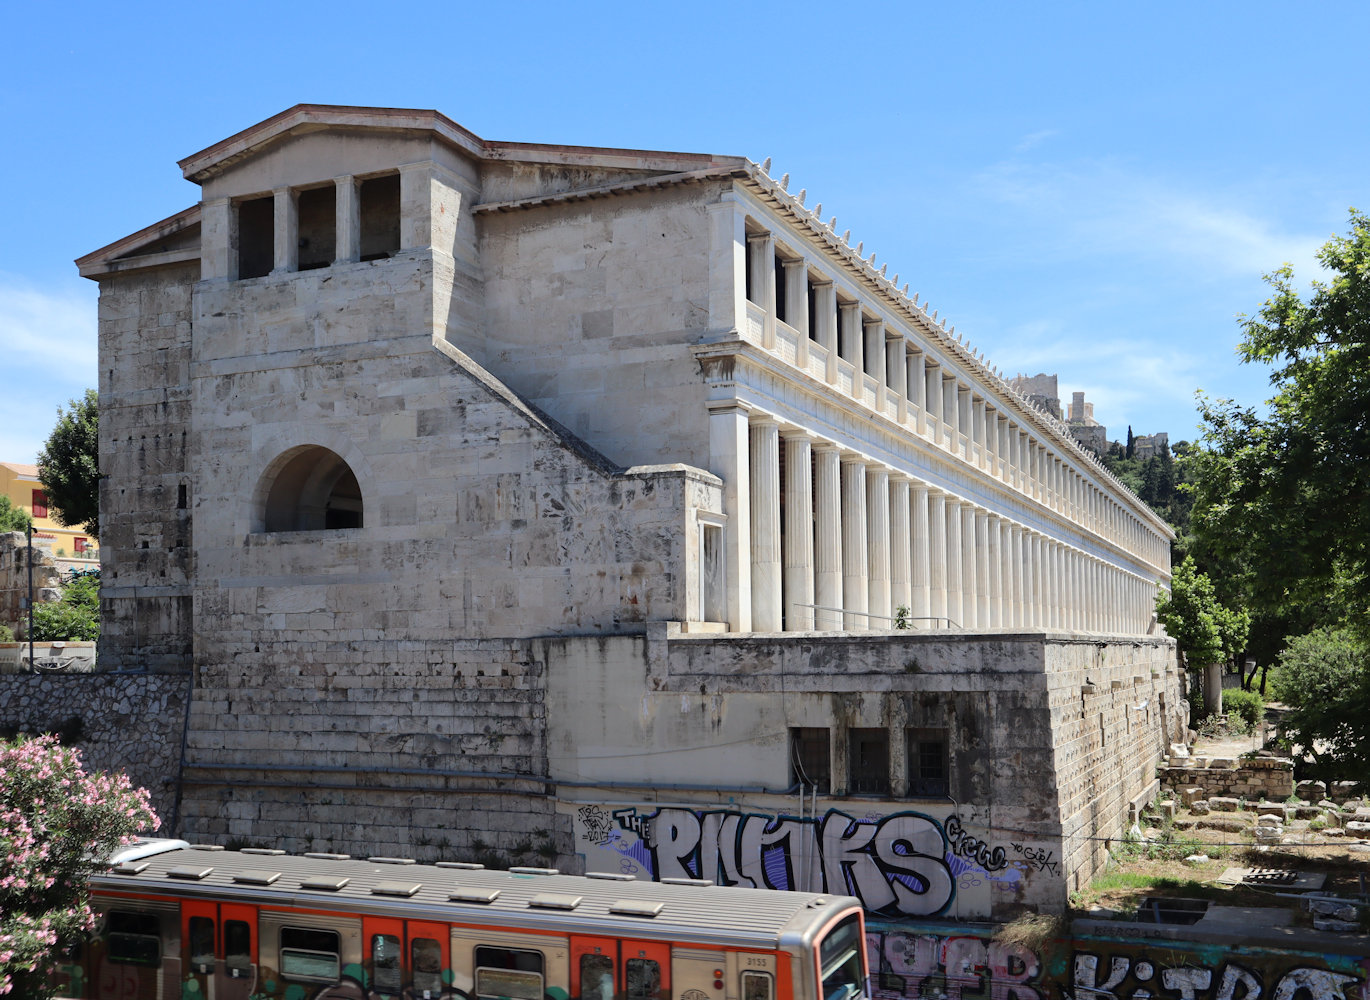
x=181, y=922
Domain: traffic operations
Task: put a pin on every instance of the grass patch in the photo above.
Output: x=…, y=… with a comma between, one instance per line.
x=1119, y=879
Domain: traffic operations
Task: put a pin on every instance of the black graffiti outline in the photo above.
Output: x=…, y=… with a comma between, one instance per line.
x=977, y=850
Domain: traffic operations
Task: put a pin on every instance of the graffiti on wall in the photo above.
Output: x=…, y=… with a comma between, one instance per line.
x=904, y=863
x=909, y=965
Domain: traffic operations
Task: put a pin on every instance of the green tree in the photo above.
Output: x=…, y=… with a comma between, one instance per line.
x=1282, y=500
x=74, y=618
x=56, y=824
x=1203, y=628
x=1324, y=682
x=13, y=518
x=68, y=465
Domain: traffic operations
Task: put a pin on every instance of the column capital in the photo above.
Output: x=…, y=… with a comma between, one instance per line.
x=791, y=433
x=760, y=237
x=854, y=458
x=759, y=419
x=717, y=407
x=821, y=445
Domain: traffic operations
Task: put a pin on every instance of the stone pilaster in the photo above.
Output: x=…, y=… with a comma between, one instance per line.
x=729, y=460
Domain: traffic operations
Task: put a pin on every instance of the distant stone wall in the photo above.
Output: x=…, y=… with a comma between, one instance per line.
x=14, y=578
x=120, y=722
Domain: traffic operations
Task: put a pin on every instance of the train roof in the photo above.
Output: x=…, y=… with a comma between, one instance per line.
x=687, y=911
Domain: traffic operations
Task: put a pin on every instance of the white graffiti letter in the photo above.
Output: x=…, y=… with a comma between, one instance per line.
x=1010, y=966
x=1186, y=981
x=675, y=836
x=1320, y=984
x=913, y=846
x=1086, y=981
x=1234, y=975
x=848, y=867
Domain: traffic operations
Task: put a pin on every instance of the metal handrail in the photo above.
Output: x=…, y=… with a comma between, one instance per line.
x=887, y=618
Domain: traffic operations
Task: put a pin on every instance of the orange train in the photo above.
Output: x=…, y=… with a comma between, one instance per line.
x=179, y=922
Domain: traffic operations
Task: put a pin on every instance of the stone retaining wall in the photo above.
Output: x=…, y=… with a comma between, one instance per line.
x=1253, y=778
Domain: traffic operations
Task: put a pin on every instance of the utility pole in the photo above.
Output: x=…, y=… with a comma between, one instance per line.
x=29, y=532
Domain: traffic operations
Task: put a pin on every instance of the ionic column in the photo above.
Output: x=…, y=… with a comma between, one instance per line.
x=965, y=425
x=761, y=263
x=878, y=544
x=875, y=357
x=797, y=307
x=915, y=382
x=827, y=501
x=765, y=489
x=896, y=374
x=728, y=459
x=951, y=414
x=798, y=541
x=982, y=569
x=921, y=603
x=937, y=557
x=955, y=591
x=978, y=415
x=855, y=547
x=347, y=247
x=825, y=325
x=901, y=553
x=933, y=406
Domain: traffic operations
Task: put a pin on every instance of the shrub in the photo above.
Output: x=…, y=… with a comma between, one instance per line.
x=75, y=618
x=1247, y=707
x=1324, y=682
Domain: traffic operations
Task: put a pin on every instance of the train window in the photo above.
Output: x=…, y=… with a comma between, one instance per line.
x=840, y=959
x=596, y=977
x=386, y=976
x=425, y=955
x=237, y=948
x=756, y=986
x=644, y=979
x=508, y=973
x=202, y=943
x=133, y=938
x=310, y=954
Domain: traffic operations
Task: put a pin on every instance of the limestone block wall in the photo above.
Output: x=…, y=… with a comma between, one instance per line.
x=14, y=579
x=1269, y=778
x=590, y=311
x=130, y=722
x=1115, y=707
x=429, y=749
x=146, y=492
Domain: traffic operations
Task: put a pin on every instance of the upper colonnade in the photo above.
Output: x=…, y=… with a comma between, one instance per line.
x=875, y=462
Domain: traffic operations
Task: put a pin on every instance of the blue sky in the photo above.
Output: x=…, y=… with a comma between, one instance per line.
x=1087, y=189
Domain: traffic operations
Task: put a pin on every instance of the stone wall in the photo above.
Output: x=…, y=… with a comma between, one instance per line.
x=1256, y=778
x=14, y=579
x=125, y=722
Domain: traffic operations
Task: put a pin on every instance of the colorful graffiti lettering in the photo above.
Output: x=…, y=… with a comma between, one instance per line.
x=966, y=846
x=1129, y=980
x=922, y=965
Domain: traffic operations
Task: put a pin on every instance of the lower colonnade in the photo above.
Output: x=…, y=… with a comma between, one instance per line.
x=842, y=543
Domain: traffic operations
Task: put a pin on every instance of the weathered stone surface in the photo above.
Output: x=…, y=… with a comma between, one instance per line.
x=1222, y=803
x=1200, y=807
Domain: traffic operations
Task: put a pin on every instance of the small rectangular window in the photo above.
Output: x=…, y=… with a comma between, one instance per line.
x=868, y=765
x=596, y=977
x=387, y=978
x=508, y=974
x=201, y=944
x=256, y=237
x=133, y=938
x=40, y=504
x=711, y=574
x=310, y=954
x=926, y=752
x=643, y=979
x=79, y=543
x=425, y=956
x=238, y=948
x=810, y=758
x=756, y=986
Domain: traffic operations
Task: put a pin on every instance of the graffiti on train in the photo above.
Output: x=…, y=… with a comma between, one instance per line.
x=905, y=863
x=916, y=966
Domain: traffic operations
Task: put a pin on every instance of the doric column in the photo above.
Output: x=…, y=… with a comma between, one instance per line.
x=983, y=561
x=937, y=557
x=956, y=594
x=920, y=572
x=855, y=544
x=728, y=459
x=286, y=231
x=347, y=220
x=827, y=501
x=765, y=490
x=798, y=541
x=1036, y=617
x=901, y=552
x=761, y=267
x=997, y=577
x=1018, y=578
x=878, y=544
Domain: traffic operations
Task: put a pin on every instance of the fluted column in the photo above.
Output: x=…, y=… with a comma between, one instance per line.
x=765, y=489
x=921, y=581
x=798, y=541
x=937, y=558
x=855, y=546
x=983, y=561
x=827, y=498
x=1018, y=576
x=995, y=527
x=901, y=552
x=878, y=544
x=1037, y=618
x=955, y=591
x=970, y=607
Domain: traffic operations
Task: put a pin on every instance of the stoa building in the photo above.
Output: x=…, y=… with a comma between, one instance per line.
x=608, y=507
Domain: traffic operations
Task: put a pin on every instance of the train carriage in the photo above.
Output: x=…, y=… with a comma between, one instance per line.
x=179, y=922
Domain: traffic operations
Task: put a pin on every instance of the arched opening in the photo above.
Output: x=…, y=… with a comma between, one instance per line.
x=314, y=490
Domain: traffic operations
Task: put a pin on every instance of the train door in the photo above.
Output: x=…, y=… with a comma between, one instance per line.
x=428, y=950
x=383, y=956
x=138, y=953
x=219, y=950
x=609, y=969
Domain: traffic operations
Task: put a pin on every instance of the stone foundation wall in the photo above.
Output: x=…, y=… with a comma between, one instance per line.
x=120, y=722
x=14, y=578
x=1270, y=778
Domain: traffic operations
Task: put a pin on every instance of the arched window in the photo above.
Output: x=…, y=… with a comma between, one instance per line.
x=313, y=490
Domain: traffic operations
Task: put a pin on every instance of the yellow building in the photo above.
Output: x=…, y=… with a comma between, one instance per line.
x=20, y=483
